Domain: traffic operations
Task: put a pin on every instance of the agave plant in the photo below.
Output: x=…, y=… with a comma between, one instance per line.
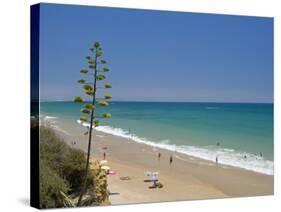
x=94, y=74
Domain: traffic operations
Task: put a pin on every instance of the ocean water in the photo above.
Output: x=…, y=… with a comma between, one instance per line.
x=196, y=129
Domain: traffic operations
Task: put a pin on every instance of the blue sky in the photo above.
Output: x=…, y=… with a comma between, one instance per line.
x=157, y=55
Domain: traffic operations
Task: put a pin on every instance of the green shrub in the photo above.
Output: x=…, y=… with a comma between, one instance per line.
x=51, y=186
x=52, y=149
x=61, y=170
x=73, y=169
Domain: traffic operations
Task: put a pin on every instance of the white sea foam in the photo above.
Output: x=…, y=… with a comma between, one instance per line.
x=50, y=117
x=225, y=156
x=84, y=124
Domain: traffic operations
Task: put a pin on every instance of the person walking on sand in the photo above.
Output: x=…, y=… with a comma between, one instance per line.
x=171, y=160
x=217, y=160
x=104, y=155
x=159, y=156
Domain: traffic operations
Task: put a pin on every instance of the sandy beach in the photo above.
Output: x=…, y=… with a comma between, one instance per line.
x=187, y=178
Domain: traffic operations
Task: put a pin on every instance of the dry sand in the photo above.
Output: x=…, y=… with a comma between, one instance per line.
x=188, y=178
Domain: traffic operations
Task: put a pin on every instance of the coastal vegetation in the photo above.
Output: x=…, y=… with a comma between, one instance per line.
x=91, y=75
x=62, y=174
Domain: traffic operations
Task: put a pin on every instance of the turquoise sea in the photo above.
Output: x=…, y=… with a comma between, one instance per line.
x=239, y=134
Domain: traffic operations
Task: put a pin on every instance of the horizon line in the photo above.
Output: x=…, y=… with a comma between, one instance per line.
x=168, y=101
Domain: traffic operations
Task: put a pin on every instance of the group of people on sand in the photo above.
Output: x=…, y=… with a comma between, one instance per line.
x=170, y=158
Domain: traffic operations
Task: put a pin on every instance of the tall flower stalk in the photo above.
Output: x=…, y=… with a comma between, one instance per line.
x=94, y=73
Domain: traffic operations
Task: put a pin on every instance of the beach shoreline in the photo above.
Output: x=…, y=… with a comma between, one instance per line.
x=187, y=178
x=238, y=135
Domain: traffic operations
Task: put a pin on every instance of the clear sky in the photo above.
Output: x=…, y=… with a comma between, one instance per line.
x=158, y=55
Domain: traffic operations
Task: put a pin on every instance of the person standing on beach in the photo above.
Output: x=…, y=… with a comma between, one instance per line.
x=217, y=160
x=104, y=155
x=159, y=156
x=171, y=160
